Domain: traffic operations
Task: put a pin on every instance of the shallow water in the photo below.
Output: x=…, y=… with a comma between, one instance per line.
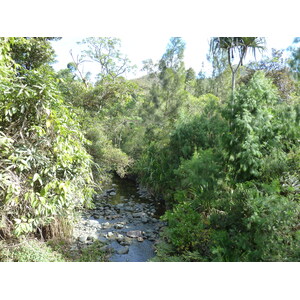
x=129, y=189
x=128, y=192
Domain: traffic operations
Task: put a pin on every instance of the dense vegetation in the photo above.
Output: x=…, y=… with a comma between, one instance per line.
x=222, y=151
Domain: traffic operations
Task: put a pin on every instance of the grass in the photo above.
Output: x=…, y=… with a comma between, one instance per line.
x=29, y=251
x=33, y=250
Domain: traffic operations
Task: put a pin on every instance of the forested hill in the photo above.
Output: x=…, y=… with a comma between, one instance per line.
x=222, y=152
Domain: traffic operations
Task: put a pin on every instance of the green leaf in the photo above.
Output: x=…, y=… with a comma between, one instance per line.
x=36, y=176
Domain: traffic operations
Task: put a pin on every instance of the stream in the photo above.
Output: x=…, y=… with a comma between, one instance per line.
x=125, y=220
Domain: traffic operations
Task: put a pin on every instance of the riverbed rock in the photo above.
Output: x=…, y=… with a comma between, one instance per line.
x=134, y=233
x=124, y=250
x=129, y=215
x=118, y=226
x=91, y=238
x=82, y=238
x=139, y=215
x=126, y=241
x=129, y=208
x=110, y=235
x=144, y=220
x=93, y=223
x=105, y=225
x=120, y=238
x=104, y=248
x=103, y=240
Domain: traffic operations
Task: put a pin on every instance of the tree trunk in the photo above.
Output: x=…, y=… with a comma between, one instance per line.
x=233, y=82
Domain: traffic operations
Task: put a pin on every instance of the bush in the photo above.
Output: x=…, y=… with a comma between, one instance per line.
x=108, y=157
x=45, y=170
x=188, y=231
x=29, y=251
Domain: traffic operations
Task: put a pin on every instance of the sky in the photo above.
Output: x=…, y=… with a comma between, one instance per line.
x=139, y=48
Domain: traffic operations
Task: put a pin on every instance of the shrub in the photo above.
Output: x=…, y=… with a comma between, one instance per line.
x=45, y=169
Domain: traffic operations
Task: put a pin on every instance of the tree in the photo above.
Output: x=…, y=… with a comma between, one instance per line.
x=233, y=45
x=173, y=57
x=106, y=52
x=45, y=170
x=294, y=61
x=32, y=52
x=219, y=83
x=190, y=80
x=74, y=67
x=169, y=93
x=276, y=68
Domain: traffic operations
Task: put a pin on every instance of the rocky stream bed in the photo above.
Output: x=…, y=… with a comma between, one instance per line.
x=125, y=220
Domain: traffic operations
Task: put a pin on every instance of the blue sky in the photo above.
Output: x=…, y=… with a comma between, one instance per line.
x=139, y=48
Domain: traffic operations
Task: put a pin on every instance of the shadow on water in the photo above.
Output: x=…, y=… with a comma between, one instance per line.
x=128, y=192
x=130, y=189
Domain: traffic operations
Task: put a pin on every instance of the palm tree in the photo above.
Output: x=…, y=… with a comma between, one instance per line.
x=233, y=45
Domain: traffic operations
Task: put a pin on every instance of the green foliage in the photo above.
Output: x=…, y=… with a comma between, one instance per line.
x=173, y=57
x=106, y=113
x=29, y=251
x=260, y=226
x=33, y=250
x=31, y=52
x=187, y=229
x=106, y=52
x=227, y=164
x=252, y=134
x=155, y=170
x=92, y=253
x=276, y=68
x=295, y=58
x=231, y=174
x=196, y=129
x=45, y=168
x=236, y=46
x=200, y=176
x=105, y=154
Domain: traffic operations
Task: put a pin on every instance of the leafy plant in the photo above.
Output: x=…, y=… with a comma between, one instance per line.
x=45, y=168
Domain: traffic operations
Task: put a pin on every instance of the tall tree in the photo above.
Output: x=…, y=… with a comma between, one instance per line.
x=32, y=52
x=294, y=61
x=172, y=76
x=106, y=52
x=236, y=45
x=173, y=57
x=276, y=68
x=75, y=68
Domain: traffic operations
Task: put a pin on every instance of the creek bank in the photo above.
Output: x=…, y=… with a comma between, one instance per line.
x=125, y=221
